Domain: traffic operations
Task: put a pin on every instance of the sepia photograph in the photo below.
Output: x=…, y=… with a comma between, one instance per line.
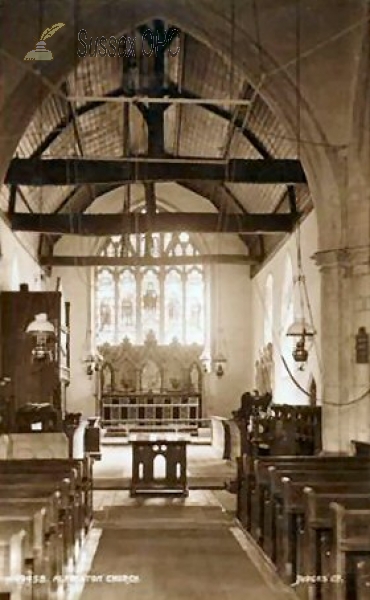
x=184, y=299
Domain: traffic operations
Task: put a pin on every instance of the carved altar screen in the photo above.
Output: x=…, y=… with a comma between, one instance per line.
x=151, y=384
x=165, y=300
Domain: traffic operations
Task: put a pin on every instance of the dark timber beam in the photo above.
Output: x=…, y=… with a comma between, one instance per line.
x=72, y=171
x=12, y=199
x=115, y=224
x=143, y=261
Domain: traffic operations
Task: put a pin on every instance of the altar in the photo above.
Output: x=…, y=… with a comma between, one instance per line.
x=150, y=386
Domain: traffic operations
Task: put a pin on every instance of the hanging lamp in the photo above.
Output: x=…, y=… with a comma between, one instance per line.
x=219, y=362
x=301, y=328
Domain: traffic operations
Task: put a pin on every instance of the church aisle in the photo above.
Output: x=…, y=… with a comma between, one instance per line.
x=163, y=549
x=204, y=467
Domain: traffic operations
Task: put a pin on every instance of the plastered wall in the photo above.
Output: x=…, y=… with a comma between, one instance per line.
x=285, y=390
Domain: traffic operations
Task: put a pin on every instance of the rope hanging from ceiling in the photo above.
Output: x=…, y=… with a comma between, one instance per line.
x=256, y=89
x=303, y=291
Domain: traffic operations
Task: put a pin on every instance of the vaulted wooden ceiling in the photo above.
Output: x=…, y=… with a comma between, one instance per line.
x=226, y=153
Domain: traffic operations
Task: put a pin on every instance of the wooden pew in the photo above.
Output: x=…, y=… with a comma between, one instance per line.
x=289, y=519
x=29, y=488
x=317, y=537
x=321, y=471
x=13, y=566
x=36, y=552
x=258, y=476
x=82, y=470
x=18, y=498
x=277, y=484
x=71, y=497
x=27, y=481
x=269, y=473
x=78, y=471
x=351, y=541
x=247, y=467
x=308, y=435
x=74, y=504
x=361, y=448
x=46, y=561
x=60, y=541
x=52, y=503
x=292, y=430
x=268, y=429
x=276, y=497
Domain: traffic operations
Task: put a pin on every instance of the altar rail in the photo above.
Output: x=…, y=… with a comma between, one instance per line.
x=154, y=409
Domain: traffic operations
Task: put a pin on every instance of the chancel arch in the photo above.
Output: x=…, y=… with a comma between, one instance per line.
x=150, y=327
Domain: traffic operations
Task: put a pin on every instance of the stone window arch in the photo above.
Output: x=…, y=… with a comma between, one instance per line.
x=166, y=299
x=268, y=327
x=287, y=315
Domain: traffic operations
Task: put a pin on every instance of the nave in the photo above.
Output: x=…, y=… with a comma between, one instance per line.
x=261, y=509
x=173, y=547
x=184, y=299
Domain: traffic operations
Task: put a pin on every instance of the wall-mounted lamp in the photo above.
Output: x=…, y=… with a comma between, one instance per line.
x=215, y=364
x=43, y=333
x=205, y=360
x=92, y=362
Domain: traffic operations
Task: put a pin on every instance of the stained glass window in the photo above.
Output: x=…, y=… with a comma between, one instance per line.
x=127, y=304
x=150, y=309
x=194, y=305
x=167, y=299
x=105, y=304
x=173, y=314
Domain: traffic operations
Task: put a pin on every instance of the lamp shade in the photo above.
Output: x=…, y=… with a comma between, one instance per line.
x=300, y=328
x=89, y=358
x=205, y=356
x=41, y=324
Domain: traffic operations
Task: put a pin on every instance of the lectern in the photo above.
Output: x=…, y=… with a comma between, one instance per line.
x=170, y=454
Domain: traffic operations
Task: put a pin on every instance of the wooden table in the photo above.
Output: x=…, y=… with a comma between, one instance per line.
x=149, y=453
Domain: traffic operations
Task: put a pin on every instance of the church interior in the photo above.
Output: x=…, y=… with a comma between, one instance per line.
x=184, y=299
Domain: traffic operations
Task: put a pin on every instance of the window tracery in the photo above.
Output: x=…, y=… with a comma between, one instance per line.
x=167, y=300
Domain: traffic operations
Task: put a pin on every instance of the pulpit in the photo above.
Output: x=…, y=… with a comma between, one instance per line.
x=36, y=384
